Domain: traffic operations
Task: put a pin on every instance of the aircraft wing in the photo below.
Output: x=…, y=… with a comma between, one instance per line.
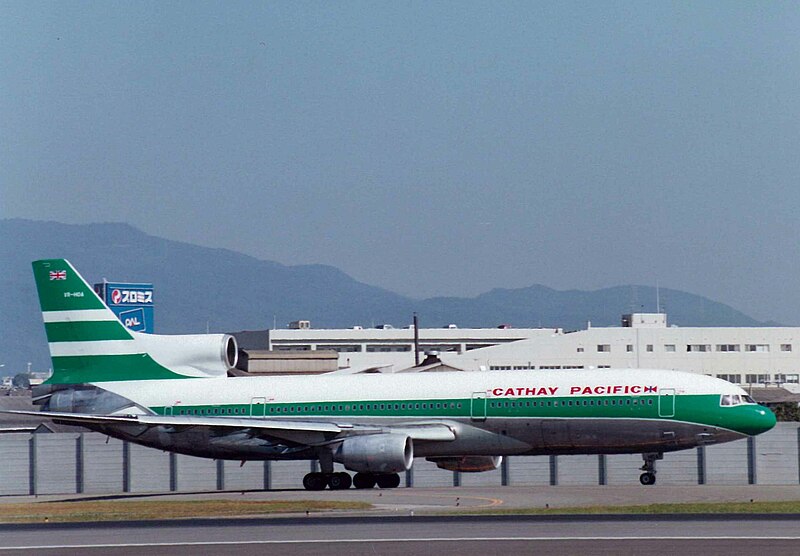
x=17, y=429
x=307, y=432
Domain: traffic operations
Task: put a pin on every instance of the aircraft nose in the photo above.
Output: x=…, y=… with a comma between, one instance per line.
x=762, y=419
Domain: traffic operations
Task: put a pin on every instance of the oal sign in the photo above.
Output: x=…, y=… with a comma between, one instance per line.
x=134, y=319
x=132, y=303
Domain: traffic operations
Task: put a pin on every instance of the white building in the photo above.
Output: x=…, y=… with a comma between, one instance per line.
x=393, y=348
x=745, y=356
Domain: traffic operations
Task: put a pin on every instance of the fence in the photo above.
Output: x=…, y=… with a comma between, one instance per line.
x=75, y=463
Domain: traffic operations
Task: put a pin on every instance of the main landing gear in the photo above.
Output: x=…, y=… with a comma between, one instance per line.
x=342, y=481
x=649, y=476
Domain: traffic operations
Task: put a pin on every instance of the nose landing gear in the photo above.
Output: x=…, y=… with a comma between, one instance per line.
x=649, y=476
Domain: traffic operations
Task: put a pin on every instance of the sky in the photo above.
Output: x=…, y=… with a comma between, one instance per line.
x=430, y=148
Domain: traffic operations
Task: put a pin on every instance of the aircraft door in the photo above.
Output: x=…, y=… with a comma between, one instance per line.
x=666, y=402
x=477, y=409
x=258, y=407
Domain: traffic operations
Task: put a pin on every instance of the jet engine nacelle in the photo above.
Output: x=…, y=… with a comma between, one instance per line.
x=199, y=355
x=376, y=453
x=468, y=464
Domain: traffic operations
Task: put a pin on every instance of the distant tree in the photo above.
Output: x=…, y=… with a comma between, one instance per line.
x=787, y=411
x=21, y=380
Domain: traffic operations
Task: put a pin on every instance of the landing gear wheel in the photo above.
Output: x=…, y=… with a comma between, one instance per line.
x=649, y=476
x=364, y=480
x=314, y=481
x=390, y=480
x=339, y=481
x=647, y=479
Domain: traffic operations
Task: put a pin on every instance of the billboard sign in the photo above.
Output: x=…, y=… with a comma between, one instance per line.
x=132, y=303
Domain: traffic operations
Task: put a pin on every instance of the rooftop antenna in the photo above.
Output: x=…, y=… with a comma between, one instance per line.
x=416, y=340
x=658, y=299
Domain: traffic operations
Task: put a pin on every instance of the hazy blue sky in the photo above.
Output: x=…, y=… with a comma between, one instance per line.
x=426, y=147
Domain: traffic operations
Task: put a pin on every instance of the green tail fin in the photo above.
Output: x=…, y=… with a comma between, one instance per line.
x=87, y=341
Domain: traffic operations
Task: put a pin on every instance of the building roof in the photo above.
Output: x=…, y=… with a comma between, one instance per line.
x=769, y=395
x=255, y=354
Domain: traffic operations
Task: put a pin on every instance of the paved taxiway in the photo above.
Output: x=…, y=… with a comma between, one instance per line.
x=442, y=536
x=402, y=501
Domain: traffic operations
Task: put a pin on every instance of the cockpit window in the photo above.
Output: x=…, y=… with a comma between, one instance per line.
x=728, y=400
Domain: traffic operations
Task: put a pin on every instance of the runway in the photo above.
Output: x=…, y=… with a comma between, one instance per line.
x=405, y=535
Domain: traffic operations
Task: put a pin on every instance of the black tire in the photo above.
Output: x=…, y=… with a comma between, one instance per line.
x=339, y=481
x=647, y=479
x=314, y=481
x=364, y=480
x=389, y=480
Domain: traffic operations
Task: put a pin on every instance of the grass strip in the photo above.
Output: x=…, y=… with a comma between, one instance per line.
x=789, y=507
x=38, y=512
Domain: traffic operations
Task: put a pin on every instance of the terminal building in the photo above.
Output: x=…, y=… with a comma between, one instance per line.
x=763, y=356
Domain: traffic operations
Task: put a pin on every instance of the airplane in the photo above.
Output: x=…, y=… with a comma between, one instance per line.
x=174, y=393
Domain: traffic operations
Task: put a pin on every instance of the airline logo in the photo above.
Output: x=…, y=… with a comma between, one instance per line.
x=612, y=389
x=58, y=274
x=519, y=392
x=616, y=389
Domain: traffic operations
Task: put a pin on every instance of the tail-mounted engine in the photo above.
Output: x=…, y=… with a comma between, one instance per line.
x=192, y=355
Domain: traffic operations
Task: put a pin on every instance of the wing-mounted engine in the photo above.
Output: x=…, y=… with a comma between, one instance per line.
x=376, y=453
x=196, y=355
x=468, y=464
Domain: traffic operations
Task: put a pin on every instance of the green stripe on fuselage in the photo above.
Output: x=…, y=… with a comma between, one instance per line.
x=76, y=369
x=698, y=409
x=86, y=331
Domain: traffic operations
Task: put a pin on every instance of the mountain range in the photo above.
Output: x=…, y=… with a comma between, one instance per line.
x=201, y=288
